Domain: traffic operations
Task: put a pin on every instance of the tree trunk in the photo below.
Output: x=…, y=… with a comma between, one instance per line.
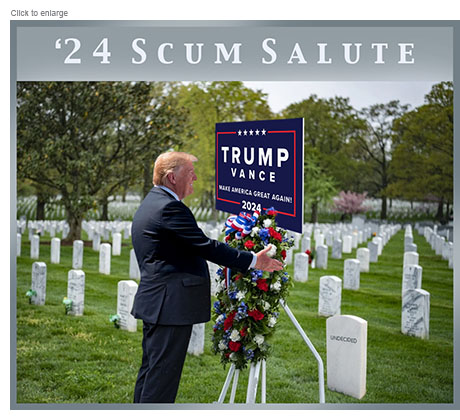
x=314, y=213
x=105, y=209
x=75, y=226
x=383, y=213
x=41, y=202
x=440, y=212
x=147, y=179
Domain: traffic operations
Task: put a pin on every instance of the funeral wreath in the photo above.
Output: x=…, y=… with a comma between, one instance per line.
x=247, y=306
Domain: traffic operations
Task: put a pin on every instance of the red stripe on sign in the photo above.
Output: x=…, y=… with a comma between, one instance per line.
x=295, y=208
x=217, y=167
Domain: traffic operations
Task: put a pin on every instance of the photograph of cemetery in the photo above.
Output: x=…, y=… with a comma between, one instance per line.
x=376, y=246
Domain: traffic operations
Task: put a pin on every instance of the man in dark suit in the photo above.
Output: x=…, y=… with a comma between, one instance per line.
x=174, y=291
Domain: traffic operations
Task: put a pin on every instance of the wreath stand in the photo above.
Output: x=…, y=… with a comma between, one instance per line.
x=254, y=371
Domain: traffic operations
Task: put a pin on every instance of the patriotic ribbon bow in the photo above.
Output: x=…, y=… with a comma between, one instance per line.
x=241, y=224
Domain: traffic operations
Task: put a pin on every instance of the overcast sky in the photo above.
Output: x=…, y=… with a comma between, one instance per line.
x=361, y=94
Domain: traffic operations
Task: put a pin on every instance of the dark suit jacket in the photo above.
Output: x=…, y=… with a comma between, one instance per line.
x=172, y=251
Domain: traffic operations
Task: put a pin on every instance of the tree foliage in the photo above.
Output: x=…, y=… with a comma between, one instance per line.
x=423, y=150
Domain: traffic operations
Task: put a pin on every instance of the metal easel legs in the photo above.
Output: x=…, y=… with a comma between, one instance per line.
x=254, y=371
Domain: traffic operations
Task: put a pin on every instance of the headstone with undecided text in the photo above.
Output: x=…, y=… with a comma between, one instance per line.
x=346, y=342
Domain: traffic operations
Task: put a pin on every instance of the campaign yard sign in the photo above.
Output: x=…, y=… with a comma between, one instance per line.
x=259, y=164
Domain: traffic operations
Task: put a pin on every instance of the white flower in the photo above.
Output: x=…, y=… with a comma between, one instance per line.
x=219, y=318
x=255, y=231
x=235, y=336
x=267, y=223
x=240, y=295
x=220, y=286
x=266, y=306
x=276, y=286
x=272, y=321
x=222, y=345
x=259, y=339
x=233, y=356
x=272, y=252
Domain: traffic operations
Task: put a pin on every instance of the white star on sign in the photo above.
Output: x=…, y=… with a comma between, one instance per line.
x=239, y=132
x=245, y=132
x=263, y=131
x=250, y=132
x=257, y=132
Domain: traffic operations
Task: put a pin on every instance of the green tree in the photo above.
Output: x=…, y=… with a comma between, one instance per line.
x=75, y=138
x=209, y=103
x=330, y=125
x=375, y=145
x=423, y=150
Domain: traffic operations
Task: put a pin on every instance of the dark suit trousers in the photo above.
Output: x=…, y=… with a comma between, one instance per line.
x=164, y=349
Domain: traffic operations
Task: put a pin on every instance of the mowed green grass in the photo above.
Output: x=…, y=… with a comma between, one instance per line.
x=64, y=359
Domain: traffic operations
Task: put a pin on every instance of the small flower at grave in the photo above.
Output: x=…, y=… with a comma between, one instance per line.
x=67, y=304
x=262, y=284
x=247, y=304
x=249, y=244
x=311, y=255
x=31, y=293
x=115, y=319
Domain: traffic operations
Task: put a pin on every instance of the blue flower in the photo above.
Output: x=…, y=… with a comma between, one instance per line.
x=232, y=295
x=249, y=354
x=217, y=307
x=243, y=309
x=285, y=277
x=256, y=274
x=264, y=235
x=220, y=272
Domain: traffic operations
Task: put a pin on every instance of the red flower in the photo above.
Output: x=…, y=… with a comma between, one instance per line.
x=257, y=315
x=227, y=238
x=229, y=320
x=234, y=345
x=249, y=244
x=237, y=277
x=243, y=332
x=271, y=213
x=308, y=252
x=274, y=234
x=262, y=284
x=283, y=254
x=227, y=355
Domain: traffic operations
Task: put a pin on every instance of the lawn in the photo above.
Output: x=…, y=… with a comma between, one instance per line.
x=64, y=359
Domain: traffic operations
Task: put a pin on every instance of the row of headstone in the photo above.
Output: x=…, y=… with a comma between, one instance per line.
x=439, y=244
x=77, y=254
x=41, y=227
x=415, y=310
x=106, y=229
x=76, y=294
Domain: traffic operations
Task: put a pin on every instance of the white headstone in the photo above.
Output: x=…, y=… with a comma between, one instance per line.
x=76, y=291
x=301, y=267
x=18, y=244
x=330, y=295
x=415, y=316
x=412, y=277
x=336, y=249
x=77, y=255
x=379, y=241
x=289, y=254
x=196, y=343
x=38, y=283
x=319, y=240
x=321, y=256
x=116, y=244
x=363, y=255
x=351, y=274
x=126, y=291
x=347, y=242
x=373, y=251
x=354, y=240
x=346, y=341
x=96, y=241
x=410, y=247
x=410, y=258
x=306, y=243
x=134, y=272
x=104, y=258
x=55, y=251
x=35, y=247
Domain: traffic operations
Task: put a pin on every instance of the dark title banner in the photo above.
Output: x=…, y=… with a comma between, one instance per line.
x=123, y=51
x=259, y=165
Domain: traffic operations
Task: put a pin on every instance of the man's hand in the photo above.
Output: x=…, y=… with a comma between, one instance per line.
x=265, y=263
